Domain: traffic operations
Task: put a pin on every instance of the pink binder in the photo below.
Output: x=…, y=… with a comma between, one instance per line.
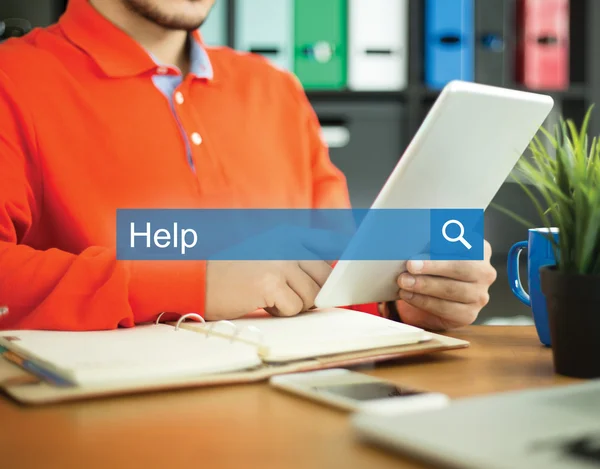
x=543, y=44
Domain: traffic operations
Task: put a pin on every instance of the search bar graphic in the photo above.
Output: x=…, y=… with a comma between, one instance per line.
x=460, y=237
x=300, y=234
x=457, y=234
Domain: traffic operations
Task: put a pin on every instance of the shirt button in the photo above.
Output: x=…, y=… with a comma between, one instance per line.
x=162, y=70
x=179, y=97
x=196, y=138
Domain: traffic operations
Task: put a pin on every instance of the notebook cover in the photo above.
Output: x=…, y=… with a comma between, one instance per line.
x=39, y=393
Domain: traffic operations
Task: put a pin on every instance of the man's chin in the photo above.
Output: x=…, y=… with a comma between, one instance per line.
x=179, y=24
x=185, y=17
x=184, y=27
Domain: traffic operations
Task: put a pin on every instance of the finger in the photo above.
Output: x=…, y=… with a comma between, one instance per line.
x=284, y=302
x=487, y=250
x=444, y=288
x=467, y=271
x=319, y=271
x=448, y=310
x=279, y=298
x=304, y=286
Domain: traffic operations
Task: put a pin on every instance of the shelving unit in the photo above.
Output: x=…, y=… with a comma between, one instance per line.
x=572, y=103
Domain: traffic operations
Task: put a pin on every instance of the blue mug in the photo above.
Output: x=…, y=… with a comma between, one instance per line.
x=539, y=253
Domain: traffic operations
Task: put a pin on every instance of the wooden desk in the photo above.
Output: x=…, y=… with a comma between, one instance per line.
x=250, y=426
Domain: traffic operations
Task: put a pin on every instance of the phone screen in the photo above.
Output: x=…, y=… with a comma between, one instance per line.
x=367, y=391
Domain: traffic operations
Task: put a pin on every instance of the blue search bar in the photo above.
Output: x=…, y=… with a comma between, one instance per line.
x=300, y=234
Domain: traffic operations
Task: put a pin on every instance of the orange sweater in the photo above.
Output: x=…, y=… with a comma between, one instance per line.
x=84, y=131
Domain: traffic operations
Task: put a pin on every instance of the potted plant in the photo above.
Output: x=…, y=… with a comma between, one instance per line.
x=566, y=174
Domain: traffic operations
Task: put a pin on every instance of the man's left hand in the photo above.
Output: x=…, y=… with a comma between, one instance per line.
x=442, y=295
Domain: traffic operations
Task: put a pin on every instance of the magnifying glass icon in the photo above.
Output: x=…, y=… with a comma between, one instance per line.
x=460, y=237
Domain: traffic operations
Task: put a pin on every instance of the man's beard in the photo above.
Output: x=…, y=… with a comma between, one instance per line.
x=145, y=9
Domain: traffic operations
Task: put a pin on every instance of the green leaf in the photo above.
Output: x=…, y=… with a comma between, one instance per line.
x=549, y=136
x=565, y=172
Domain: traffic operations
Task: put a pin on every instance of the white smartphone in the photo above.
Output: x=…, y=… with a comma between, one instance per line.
x=358, y=392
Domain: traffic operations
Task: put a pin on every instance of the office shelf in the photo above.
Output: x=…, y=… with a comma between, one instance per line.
x=576, y=91
x=344, y=95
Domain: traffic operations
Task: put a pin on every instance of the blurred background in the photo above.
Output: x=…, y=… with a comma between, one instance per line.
x=373, y=68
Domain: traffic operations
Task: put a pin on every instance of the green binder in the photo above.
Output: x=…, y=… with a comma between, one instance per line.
x=320, y=50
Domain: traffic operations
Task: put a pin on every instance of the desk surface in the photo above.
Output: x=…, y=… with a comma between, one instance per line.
x=254, y=425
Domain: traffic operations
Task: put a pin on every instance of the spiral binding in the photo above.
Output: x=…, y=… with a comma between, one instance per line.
x=237, y=332
x=182, y=318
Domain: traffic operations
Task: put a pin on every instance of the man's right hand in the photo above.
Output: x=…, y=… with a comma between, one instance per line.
x=282, y=288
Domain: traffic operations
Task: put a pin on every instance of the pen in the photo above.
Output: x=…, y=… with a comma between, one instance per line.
x=37, y=370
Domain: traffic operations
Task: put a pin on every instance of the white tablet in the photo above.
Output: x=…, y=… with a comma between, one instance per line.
x=465, y=149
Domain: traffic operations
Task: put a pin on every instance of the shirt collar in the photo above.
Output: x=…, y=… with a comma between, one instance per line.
x=200, y=65
x=115, y=52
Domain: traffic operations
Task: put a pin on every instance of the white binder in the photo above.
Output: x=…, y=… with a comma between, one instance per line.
x=266, y=27
x=378, y=45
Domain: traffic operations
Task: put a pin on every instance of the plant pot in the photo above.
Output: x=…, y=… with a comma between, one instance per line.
x=573, y=303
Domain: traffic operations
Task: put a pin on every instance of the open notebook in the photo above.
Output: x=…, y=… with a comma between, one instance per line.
x=74, y=365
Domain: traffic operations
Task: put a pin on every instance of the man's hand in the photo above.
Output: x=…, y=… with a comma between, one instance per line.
x=282, y=288
x=442, y=295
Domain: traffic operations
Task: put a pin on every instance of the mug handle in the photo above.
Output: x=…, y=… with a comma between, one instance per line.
x=513, y=272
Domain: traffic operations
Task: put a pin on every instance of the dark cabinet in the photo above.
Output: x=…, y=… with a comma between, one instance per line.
x=37, y=13
x=365, y=140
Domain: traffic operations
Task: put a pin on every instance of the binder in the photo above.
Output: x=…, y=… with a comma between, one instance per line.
x=265, y=27
x=378, y=45
x=543, y=44
x=449, y=41
x=491, y=42
x=320, y=50
x=214, y=31
x=58, y=366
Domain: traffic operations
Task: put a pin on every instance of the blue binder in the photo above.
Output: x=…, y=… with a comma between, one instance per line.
x=214, y=30
x=449, y=41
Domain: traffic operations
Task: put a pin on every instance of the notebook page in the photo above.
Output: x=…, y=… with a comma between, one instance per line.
x=317, y=333
x=143, y=354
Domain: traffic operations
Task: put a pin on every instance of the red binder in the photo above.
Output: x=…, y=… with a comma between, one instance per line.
x=543, y=44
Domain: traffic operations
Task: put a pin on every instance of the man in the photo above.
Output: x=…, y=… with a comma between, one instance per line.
x=120, y=106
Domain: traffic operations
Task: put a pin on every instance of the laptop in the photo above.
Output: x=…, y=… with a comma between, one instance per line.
x=549, y=428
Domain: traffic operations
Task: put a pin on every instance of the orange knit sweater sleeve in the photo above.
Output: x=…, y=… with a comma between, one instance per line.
x=57, y=290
